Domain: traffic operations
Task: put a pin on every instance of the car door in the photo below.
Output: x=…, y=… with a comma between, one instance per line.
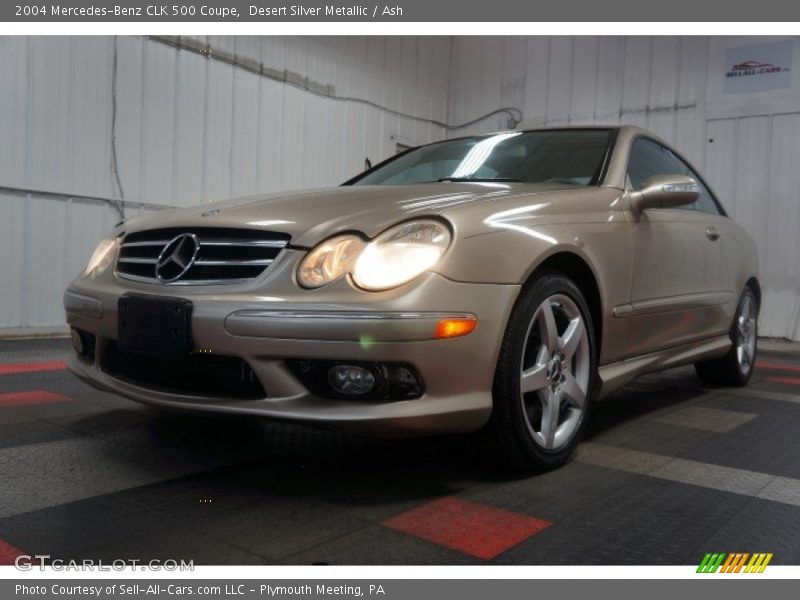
x=679, y=284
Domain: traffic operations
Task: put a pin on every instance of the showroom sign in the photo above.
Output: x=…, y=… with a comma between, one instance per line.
x=758, y=68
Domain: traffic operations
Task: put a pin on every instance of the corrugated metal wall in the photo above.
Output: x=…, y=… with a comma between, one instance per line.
x=670, y=86
x=188, y=129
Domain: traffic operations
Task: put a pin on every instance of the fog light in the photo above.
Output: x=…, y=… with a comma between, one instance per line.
x=83, y=342
x=350, y=379
x=77, y=341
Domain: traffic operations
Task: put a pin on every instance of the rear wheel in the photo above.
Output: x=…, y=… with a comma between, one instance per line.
x=545, y=376
x=736, y=367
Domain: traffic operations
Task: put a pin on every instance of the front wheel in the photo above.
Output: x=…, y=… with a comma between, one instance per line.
x=736, y=367
x=545, y=376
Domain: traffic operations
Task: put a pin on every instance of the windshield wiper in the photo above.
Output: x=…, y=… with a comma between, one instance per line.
x=477, y=179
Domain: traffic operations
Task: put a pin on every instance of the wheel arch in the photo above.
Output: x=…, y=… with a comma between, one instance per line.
x=578, y=270
x=754, y=285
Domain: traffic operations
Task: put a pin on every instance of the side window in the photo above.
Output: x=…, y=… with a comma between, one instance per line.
x=705, y=202
x=649, y=158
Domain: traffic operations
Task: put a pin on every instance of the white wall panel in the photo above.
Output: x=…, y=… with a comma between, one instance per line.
x=783, y=205
x=189, y=129
x=157, y=146
x=12, y=259
x=584, y=80
x=270, y=127
x=45, y=265
x=751, y=177
x=218, y=123
x=690, y=117
x=90, y=115
x=559, y=81
x=14, y=106
x=50, y=107
x=637, y=72
x=608, y=98
x=130, y=123
x=537, y=60
x=720, y=163
x=781, y=246
x=514, y=64
x=664, y=72
x=244, y=136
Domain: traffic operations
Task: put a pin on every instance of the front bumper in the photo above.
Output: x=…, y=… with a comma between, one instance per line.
x=265, y=331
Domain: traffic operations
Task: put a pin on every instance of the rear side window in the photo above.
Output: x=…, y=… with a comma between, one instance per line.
x=649, y=158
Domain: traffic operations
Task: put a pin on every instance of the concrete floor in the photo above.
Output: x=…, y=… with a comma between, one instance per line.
x=670, y=470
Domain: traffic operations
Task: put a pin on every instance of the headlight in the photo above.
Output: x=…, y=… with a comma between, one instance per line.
x=330, y=260
x=102, y=257
x=400, y=254
x=395, y=257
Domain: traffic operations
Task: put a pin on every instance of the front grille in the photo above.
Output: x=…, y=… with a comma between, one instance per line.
x=225, y=255
x=209, y=375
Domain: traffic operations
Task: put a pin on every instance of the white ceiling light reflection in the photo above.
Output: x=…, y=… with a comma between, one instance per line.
x=505, y=220
x=270, y=223
x=479, y=153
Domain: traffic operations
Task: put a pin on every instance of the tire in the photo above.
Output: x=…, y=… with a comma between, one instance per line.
x=736, y=367
x=545, y=377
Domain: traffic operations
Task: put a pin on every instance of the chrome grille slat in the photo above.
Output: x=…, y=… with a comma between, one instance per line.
x=246, y=243
x=139, y=261
x=232, y=263
x=224, y=255
x=179, y=282
x=161, y=243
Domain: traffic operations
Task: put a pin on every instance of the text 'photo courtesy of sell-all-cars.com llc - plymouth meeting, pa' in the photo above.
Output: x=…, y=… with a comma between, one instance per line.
x=498, y=282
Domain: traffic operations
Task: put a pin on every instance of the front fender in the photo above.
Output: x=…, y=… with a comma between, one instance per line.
x=512, y=255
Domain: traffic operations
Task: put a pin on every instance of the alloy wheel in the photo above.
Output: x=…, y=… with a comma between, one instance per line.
x=746, y=329
x=555, y=372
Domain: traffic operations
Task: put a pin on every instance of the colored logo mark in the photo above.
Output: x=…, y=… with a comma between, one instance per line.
x=734, y=562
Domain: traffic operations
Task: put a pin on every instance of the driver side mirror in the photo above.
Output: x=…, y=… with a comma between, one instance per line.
x=665, y=191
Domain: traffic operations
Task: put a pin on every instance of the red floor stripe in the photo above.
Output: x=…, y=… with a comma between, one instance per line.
x=476, y=529
x=32, y=397
x=8, y=553
x=34, y=367
x=786, y=380
x=761, y=364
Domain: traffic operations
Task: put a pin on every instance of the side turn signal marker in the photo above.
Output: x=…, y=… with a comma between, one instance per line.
x=449, y=328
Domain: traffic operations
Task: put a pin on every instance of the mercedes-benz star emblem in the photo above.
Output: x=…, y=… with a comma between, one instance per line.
x=177, y=257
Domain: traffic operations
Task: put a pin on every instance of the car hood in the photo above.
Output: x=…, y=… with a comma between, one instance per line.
x=312, y=215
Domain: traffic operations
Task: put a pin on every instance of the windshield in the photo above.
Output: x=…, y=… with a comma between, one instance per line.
x=561, y=156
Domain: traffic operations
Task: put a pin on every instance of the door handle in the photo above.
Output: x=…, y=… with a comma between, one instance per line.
x=712, y=233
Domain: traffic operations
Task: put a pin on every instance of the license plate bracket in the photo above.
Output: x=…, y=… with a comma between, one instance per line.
x=154, y=325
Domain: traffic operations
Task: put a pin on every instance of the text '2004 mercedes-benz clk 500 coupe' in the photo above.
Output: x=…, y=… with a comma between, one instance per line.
x=497, y=282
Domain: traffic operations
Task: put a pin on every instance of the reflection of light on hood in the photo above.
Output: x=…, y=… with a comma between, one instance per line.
x=503, y=220
x=450, y=201
x=433, y=201
x=479, y=153
x=269, y=223
x=257, y=298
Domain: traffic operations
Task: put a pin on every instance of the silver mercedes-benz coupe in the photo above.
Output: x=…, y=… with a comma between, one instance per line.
x=501, y=282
